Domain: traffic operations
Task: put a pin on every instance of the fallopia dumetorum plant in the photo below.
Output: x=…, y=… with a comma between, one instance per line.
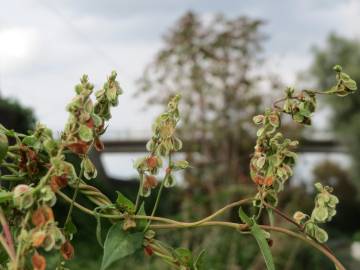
x=36, y=172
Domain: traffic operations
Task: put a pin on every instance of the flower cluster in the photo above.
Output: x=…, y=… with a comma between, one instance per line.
x=324, y=211
x=163, y=143
x=345, y=85
x=38, y=163
x=273, y=160
x=86, y=122
x=300, y=107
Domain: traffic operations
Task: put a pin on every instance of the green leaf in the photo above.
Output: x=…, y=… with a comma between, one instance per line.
x=98, y=231
x=260, y=236
x=271, y=216
x=141, y=223
x=244, y=217
x=184, y=256
x=120, y=244
x=31, y=141
x=70, y=228
x=5, y=196
x=124, y=204
x=200, y=261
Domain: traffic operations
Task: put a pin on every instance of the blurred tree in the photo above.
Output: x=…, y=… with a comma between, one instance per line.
x=346, y=116
x=215, y=67
x=211, y=66
x=15, y=116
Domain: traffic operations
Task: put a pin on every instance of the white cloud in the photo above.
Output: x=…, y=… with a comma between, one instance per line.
x=16, y=47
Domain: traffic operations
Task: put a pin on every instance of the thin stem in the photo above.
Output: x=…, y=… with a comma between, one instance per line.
x=266, y=227
x=12, y=178
x=74, y=195
x=7, y=248
x=299, y=226
x=284, y=216
x=139, y=191
x=172, y=224
x=7, y=232
x=158, y=195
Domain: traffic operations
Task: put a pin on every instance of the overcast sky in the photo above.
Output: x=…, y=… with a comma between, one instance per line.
x=45, y=46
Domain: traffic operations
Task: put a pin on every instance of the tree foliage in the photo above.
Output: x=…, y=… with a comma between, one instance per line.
x=346, y=115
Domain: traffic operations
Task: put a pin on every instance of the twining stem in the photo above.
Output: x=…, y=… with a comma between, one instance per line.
x=289, y=219
x=242, y=227
x=172, y=224
x=284, y=216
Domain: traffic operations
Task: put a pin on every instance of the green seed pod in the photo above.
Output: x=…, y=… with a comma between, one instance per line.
x=333, y=201
x=310, y=228
x=320, y=235
x=23, y=197
x=177, y=144
x=85, y=133
x=4, y=146
x=260, y=162
x=258, y=119
x=180, y=165
x=169, y=181
x=89, y=168
x=49, y=242
x=320, y=214
x=50, y=146
x=47, y=196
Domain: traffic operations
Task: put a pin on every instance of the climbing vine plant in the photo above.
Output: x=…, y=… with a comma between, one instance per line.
x=35, y=170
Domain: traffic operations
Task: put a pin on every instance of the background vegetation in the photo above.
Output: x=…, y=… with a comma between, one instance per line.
x=216, y=67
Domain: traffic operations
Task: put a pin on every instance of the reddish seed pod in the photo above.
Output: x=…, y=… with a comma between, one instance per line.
x=38, y=261
x=79, y=147
x=270, y=242
x=99, y=145
x=41, y=216
x=57, y=182
x=268, y=181
x=38, y=238
x=90, y=123
x=148, y=251
x=67, y=250
x=150, y=181
x=151, y=162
